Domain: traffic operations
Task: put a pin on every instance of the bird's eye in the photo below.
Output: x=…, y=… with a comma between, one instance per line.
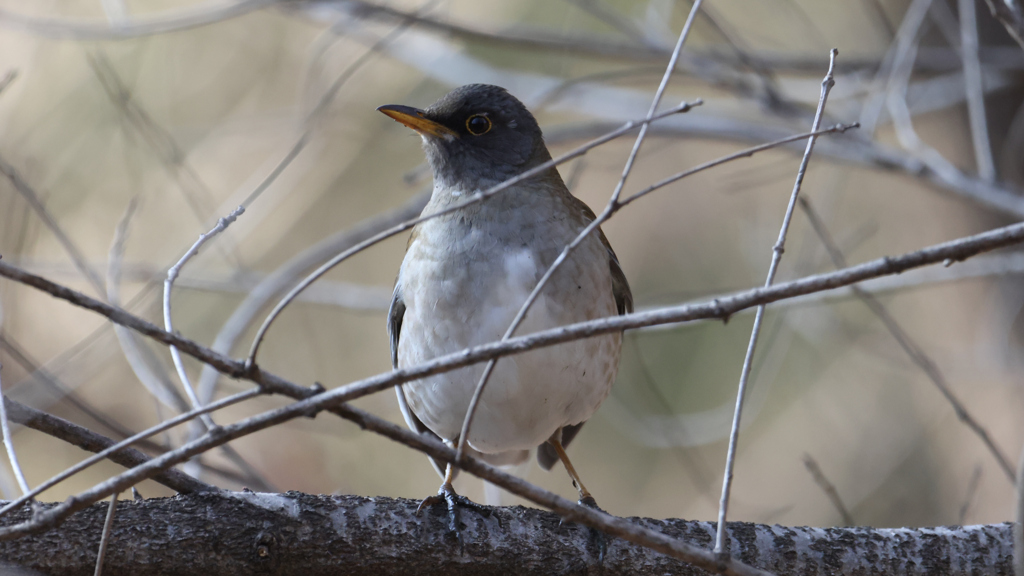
x=478, y=124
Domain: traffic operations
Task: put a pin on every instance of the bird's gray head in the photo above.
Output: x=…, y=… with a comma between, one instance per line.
x=476, y=136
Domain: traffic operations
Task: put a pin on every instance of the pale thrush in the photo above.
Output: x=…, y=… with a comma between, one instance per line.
x=466, y=274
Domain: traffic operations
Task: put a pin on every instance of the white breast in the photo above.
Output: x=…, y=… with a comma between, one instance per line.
x=469, y=299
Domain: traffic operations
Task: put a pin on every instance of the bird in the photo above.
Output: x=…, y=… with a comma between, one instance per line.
x=466, y=273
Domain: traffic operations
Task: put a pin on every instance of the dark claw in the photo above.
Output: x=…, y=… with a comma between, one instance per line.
x=596, y=539
x=453, y=501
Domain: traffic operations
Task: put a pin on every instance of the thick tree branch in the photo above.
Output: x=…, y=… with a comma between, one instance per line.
x=300, y=534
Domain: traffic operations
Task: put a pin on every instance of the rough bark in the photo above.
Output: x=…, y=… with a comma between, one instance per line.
x=248, y=533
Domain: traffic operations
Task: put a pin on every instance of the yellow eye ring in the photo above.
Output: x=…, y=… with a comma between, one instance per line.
x=478, y=124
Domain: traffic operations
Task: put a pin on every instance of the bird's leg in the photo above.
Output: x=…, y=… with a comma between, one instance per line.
x=452, y=500
x=585, y=498
x=597, y=538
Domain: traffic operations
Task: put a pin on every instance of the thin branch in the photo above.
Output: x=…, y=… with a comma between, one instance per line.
x=172, y=275
x=907, y=343
x=999, y=198
x=746, y=153
x=975, y=91
x=610, y=208
x=972, y=489
x=904, y=40
x=828, y=488
x=12, y=456
x=312, y=120
x=104, y=538
x=703, y=64
x=30, y=196
x=91, y=441
x=1010, y=14
x=101, y=446
x=605, y=14
x=274, y=284
x=149, y=369
x=8, y=78
x=161, y=142
x=748, y=360
x=39, y=374
x=162, y=23
x=472, y=199
x=81, y=436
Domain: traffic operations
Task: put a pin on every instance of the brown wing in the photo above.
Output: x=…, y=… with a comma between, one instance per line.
x=395, y=315
x=546, y=455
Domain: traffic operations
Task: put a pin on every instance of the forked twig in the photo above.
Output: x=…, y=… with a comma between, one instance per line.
x=172, y=275
x=748, y=360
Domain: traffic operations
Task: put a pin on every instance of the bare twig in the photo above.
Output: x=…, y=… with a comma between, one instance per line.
x=44, y=376
x=907, y=343
x=605, y=14
x=905, y=39
x=610, y=208
x=12, y=456
x=147, y=367
x=9, y=77
x=1010, y=13
x=828, y=488
x=168, y=21
x=748, y=360
x=30, y=196
x=837, y=129
x=103, y=447
x=972, y=489
x=172, y=275
x=115, y=451
x=975, y=91
x=104, y=538
x=311, y=121
x=160, y=141
x=472, y=199
x=999, y=198
x=272, y=286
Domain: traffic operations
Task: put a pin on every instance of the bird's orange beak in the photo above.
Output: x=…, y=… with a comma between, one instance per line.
x=413, y=118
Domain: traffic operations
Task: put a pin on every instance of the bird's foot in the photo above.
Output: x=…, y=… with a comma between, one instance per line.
x=597, y=541
x=452, y=500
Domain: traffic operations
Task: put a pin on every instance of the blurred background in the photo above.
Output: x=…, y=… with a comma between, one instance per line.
x=134, y=125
